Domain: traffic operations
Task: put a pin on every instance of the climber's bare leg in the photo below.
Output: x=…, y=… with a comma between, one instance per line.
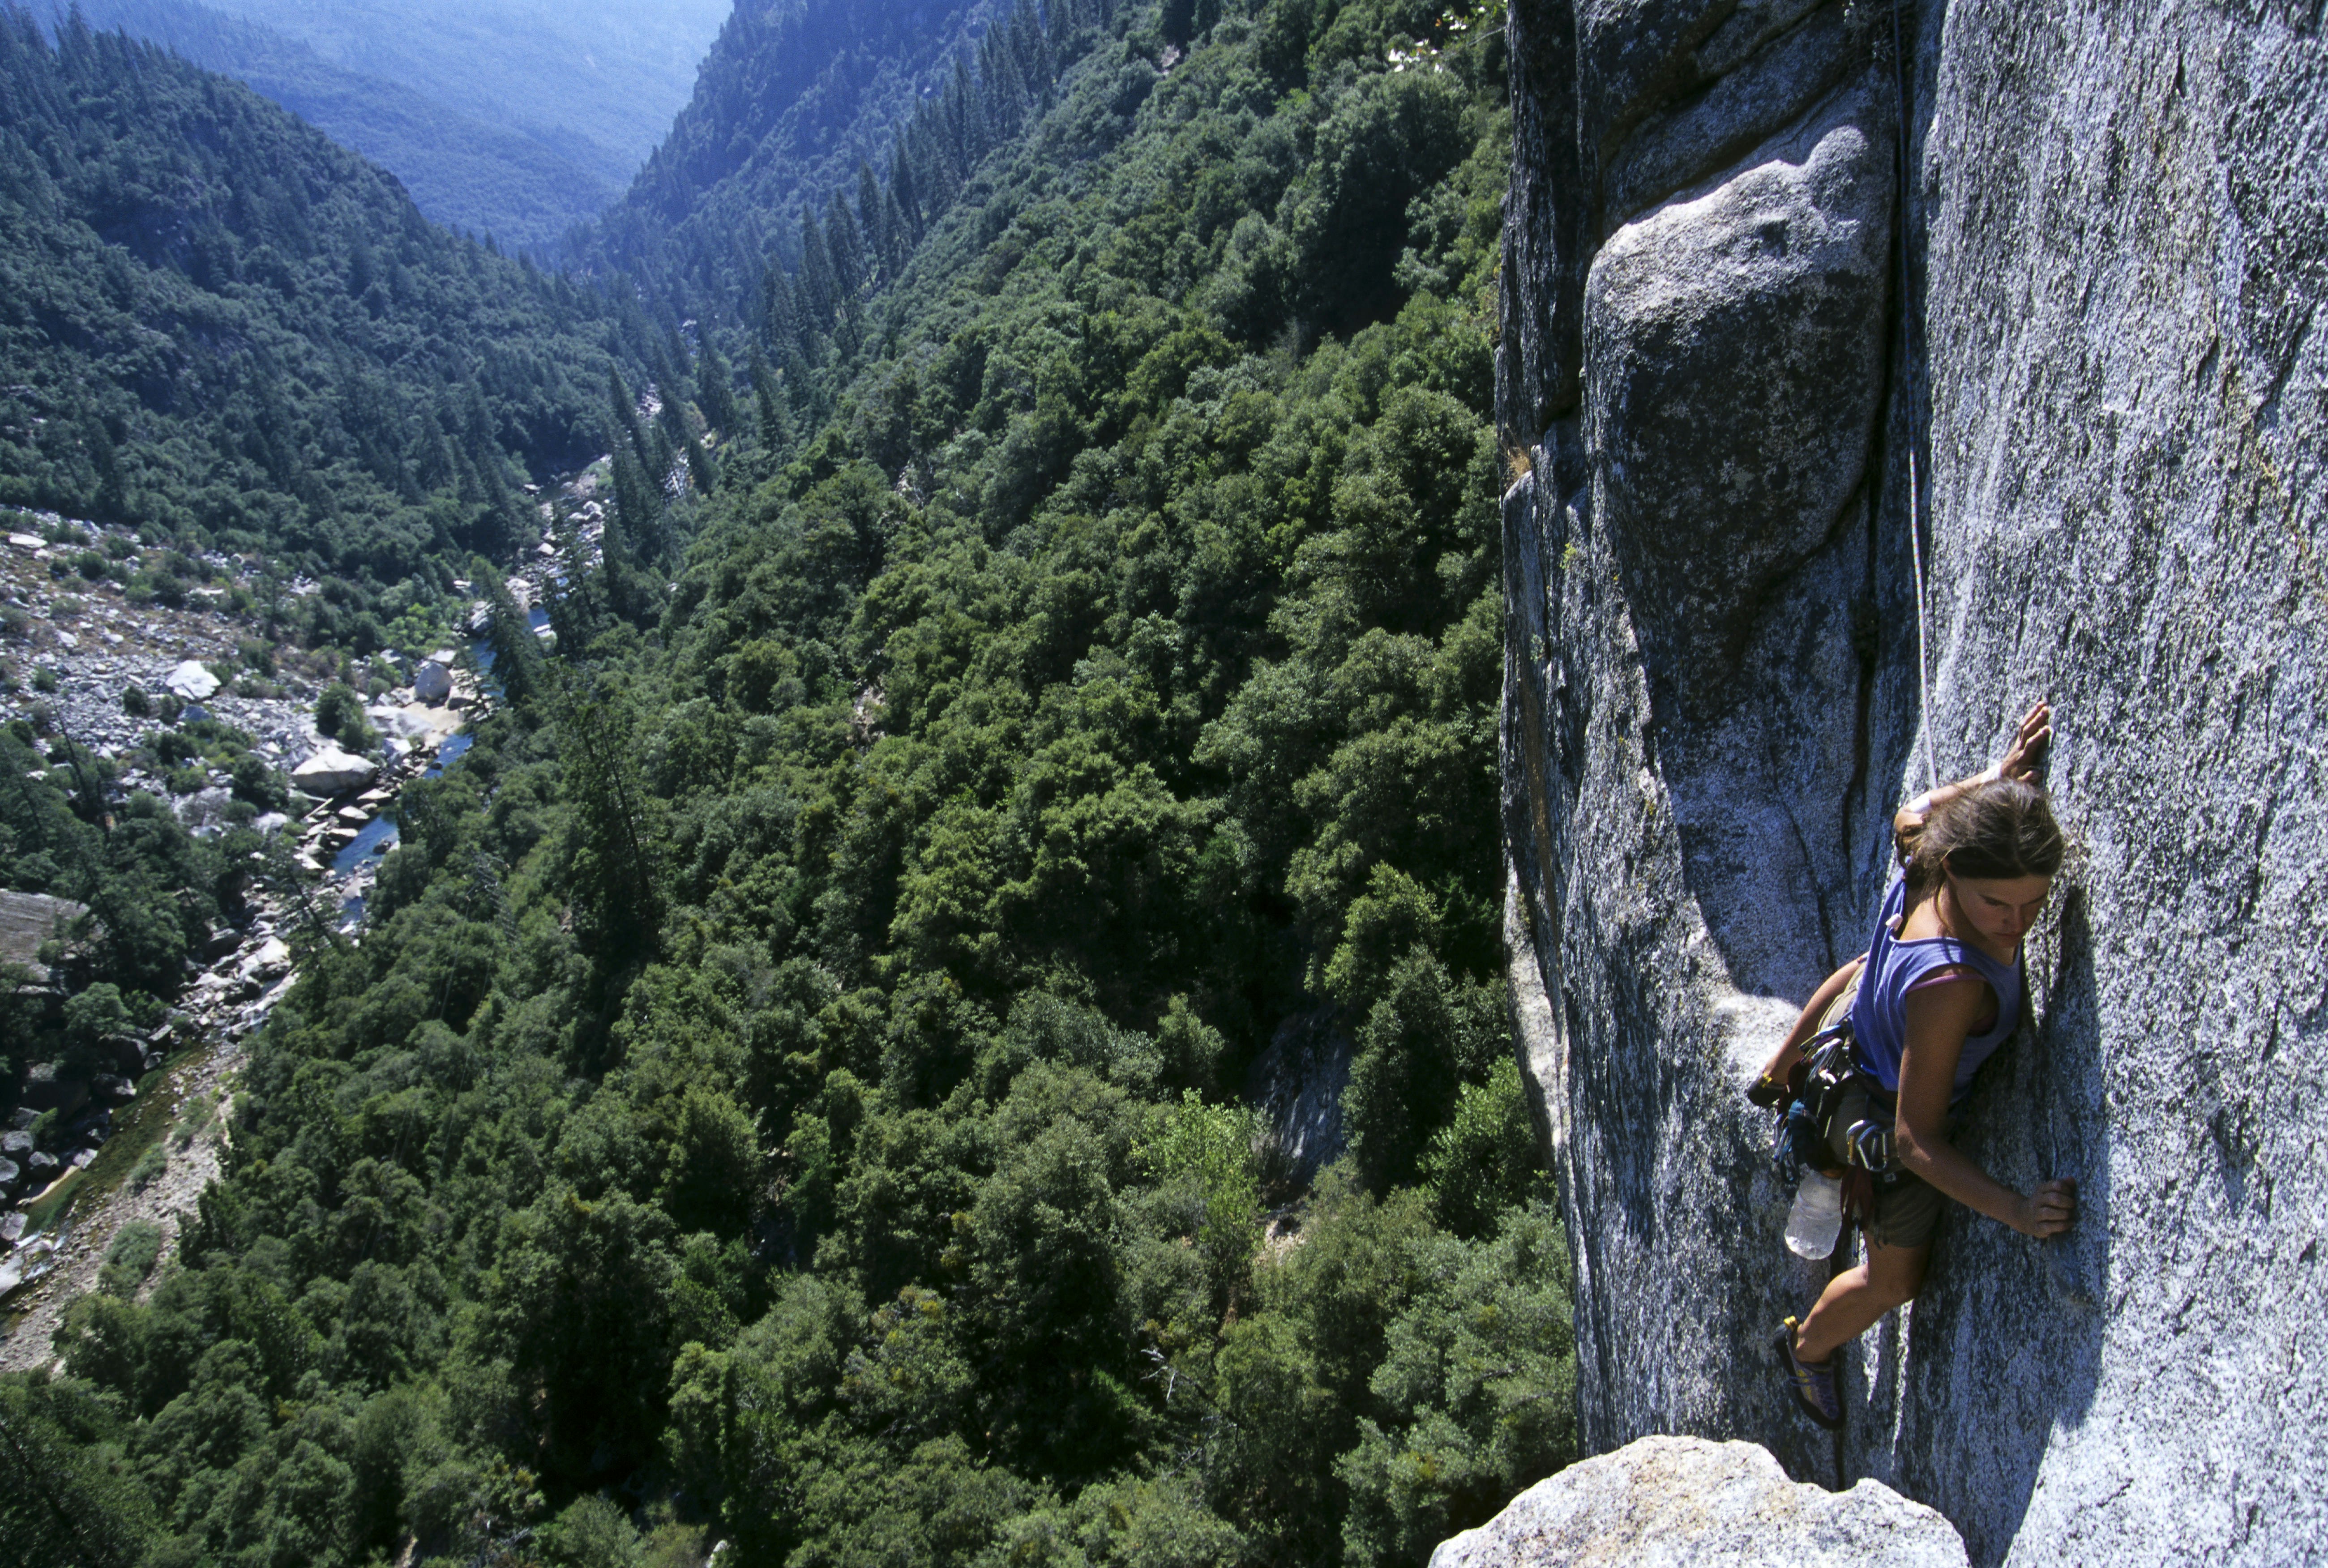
x=1885, y=1278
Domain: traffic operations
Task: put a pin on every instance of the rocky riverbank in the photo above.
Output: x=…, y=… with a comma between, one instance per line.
x=54, y=1240
x=142, y=1141
x=59, y=1264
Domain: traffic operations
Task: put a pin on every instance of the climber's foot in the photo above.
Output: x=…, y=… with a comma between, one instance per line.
x=1813, y=1382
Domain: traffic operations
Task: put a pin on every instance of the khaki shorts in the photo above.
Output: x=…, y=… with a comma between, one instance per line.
x=1906, y=1206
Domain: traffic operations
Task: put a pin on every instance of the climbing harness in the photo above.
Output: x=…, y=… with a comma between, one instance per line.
x=1817, y=1091
x=1825, y=1085
x=1915, y=396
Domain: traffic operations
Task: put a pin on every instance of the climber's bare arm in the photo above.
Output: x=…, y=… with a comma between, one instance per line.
x=1771, y=1085
x=2023, y=759
x=1939, y=1018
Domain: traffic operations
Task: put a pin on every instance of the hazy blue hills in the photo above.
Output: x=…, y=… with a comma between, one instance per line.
x=508, y=117
x=460, y=171
x=599, y=79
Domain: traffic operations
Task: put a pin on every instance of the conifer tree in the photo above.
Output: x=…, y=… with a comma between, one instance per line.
x=111, y=500
x=847, y=243
x=904, y=192
x=517, y=653
x=638, y=510
x=787, y=323
x=873, y=210
x=816, y=279
x=966, y=133
x=627, y=411
x=617, y=894
x=718, y=392
x=699, y=470
x=927, y=165
x=773, y=425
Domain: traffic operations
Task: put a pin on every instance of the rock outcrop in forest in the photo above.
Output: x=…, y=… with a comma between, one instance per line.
x=1765, y=262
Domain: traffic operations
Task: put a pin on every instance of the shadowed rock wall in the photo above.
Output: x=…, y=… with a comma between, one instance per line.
x=2090, y=310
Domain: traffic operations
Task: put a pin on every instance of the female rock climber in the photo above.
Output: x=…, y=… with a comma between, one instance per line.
x=1937, y=991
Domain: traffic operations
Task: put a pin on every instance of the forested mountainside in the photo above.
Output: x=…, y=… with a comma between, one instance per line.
x=794, y=98
x=786, y=1090
x=473, y=173
x=226, y=330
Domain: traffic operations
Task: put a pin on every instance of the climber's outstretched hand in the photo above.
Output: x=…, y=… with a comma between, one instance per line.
x=2026, y=756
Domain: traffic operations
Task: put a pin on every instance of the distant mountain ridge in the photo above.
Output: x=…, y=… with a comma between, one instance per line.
x=599, y=79
x=461, y=171
x=792, y=97
x=507, y=117
x=220, y=323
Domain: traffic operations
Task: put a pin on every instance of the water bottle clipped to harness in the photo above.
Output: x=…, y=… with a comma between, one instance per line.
x=1832, y=1139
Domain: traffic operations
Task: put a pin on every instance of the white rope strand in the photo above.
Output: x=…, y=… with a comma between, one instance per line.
x=1923, y=630
x=1915, y=400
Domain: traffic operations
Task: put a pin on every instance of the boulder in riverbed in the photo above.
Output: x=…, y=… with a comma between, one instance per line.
x=433, y=682
x=332, y=772
x=271, y=961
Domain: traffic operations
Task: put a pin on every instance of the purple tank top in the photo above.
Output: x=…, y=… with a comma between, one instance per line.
x=1879, y=1028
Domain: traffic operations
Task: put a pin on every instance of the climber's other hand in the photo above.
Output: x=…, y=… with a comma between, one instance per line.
x=2049, y=1211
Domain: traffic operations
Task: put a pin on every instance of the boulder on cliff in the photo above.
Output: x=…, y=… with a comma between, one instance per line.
x=44, y=1090
x=192, y=681
x=1298, y=1084
x=1684, y=1502
x=332, y=772
x=27, y=922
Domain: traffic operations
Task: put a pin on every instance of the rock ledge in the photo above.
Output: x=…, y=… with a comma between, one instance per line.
x=1684, y=1501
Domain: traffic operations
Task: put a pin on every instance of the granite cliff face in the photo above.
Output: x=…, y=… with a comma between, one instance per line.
x=2070, y=260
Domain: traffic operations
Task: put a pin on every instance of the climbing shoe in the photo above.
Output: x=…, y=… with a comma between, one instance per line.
x=1812, y=1380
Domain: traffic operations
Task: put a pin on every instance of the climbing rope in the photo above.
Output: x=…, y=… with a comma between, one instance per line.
x=1923, y=630
x=1915, y=404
